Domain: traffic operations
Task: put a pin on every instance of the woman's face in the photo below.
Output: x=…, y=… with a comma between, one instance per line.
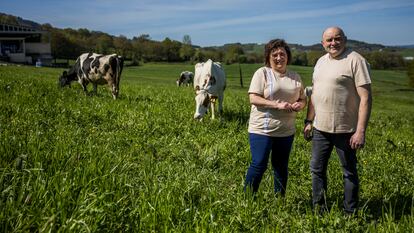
x=278, y=59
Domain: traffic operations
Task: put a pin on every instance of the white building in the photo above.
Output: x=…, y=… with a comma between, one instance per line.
x=21, y=44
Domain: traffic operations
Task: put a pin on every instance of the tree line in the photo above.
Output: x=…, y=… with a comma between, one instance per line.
x=69, y=43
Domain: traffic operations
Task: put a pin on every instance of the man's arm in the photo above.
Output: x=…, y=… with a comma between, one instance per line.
x=358, y=138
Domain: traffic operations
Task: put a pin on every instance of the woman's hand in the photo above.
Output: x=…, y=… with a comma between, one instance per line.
x=297, y=106
x=282, y=105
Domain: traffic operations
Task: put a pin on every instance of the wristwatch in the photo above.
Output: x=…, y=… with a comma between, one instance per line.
x=306, y=121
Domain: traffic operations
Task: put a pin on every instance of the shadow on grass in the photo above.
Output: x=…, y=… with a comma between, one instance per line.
x=240, y=117
x=397, y=206
x=137, y=98
x=406, y=89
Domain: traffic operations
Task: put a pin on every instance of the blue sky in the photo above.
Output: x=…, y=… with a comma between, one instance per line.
x=216, y=22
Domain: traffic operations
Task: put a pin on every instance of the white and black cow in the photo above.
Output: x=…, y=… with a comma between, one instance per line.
x=96, y=69
x=209, y=84
x=186, y=77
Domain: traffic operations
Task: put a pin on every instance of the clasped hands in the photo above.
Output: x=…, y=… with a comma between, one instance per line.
x=288, y=107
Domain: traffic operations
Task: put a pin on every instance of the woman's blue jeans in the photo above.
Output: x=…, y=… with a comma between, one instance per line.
x=260, y=147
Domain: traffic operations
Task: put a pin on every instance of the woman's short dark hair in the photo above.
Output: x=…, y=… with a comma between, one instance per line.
x=274, y=44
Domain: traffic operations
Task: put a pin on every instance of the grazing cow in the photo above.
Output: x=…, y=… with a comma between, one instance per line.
x=186, y=77
x=96, y=69
x=209, y=84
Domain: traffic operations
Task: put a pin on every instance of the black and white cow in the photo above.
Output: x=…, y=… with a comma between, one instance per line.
x=96, y=69
x=186, y=77
x=209, y=84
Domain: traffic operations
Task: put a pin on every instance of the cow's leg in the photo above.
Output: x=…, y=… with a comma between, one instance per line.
x=84, y=83
x=213, y=100
x=95, y=88
x=113, y=84
x=114, y=88
x=114, y=91
x=213, y=105
x=220, y=107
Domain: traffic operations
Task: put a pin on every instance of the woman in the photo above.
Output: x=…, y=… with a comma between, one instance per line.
x=276, y=95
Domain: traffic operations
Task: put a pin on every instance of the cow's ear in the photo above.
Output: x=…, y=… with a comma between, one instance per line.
x=197, y=88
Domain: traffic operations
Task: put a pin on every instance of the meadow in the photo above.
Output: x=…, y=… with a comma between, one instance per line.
x=76, y=163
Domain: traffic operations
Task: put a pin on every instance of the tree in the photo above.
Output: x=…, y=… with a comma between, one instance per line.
x=61, y=46
x=233, y=53
x=255, y=58
x=299, y=58
x=122, y=46
x=199, y=55
x=8, y=19
x=104, y=44
x=84, y=33
x=171, y=50
x=187, y=52
x=187, y=40
x=313, y=56
x=384, y=60
x=140, y=47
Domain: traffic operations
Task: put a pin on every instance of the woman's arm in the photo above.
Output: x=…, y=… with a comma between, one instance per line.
x=260, y=101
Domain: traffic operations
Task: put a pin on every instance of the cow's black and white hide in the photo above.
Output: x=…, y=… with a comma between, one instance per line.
x=97, y=69
x=186, y=78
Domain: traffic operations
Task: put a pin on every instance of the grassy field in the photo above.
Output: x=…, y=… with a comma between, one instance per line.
x=76, y=163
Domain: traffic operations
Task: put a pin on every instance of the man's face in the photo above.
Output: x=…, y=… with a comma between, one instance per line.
x=334, y=41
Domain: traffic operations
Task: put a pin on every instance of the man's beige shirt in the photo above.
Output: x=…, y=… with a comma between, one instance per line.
x=334, y=93
x=274, y=86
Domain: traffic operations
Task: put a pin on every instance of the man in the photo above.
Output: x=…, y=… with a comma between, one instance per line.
x=339, y=111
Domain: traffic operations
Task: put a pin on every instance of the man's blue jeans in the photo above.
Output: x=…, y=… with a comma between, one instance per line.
x=260, y=147
x=322, y=145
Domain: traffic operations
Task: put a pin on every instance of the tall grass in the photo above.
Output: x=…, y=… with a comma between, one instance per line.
x=76, y=163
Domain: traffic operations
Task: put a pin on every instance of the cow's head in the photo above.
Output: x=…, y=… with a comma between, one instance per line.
x=202, y=103
x=64, y=80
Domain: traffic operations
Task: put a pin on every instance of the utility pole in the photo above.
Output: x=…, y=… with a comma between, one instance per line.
x=241, y=77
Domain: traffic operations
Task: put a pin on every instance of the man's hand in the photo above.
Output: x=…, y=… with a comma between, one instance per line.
x=357, y=140
x=307, y=132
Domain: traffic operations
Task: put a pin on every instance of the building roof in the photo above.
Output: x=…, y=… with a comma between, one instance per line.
x=7, y=30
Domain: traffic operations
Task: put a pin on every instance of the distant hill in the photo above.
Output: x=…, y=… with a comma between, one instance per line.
x=15, y=20
x=360, y=46
x=354, y=44
x=406, y=46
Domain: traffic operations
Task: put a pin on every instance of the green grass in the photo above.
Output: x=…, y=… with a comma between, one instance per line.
x=408, y=52
x=76, y=163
